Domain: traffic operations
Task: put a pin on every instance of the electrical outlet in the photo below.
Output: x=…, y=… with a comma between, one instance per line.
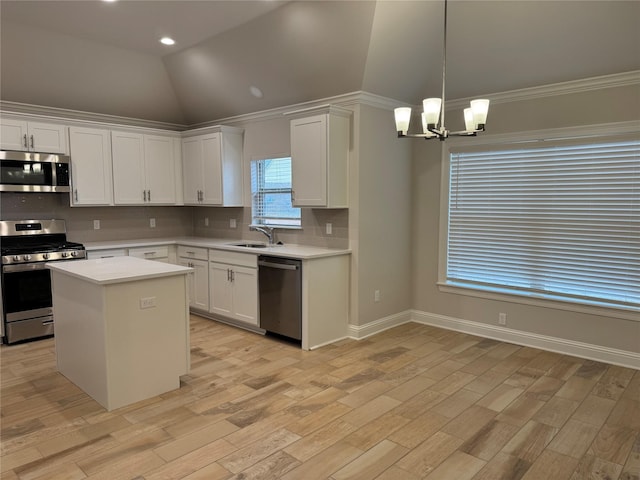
x=96, y=224
x=232, y=223
x=502, y=318
x=376, y=296
x=147, y=302
x=152, y=222
x=206, y=221
x=329, y=228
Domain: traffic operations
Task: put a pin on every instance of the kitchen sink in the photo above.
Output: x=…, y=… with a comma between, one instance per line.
x=249, y=245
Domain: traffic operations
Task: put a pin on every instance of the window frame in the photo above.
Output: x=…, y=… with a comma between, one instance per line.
x=263, y=158
x=600, y=133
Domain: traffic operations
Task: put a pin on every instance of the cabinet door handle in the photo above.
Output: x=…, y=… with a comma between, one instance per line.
x=233, y=276
x=149, y=195
x=75, y=194
x=144, y=195
x=293, y=196
x=32, y=142
x=24, y=140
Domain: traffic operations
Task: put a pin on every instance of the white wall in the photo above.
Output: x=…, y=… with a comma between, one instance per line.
x=594, y=107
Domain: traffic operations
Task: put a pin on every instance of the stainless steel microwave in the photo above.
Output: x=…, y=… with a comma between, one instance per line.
x=33, y=172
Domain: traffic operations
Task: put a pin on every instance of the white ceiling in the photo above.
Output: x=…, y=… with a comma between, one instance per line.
x=105, y=57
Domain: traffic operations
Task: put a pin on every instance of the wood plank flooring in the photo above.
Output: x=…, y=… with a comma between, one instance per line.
x=409, y=403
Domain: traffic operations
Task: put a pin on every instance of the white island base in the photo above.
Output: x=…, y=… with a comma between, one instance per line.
x=121, y=327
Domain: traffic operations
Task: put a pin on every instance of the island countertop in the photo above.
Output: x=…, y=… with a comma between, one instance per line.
x=103, y=271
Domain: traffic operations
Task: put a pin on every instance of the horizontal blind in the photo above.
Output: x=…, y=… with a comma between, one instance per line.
x=271, y=193
x=562, y=221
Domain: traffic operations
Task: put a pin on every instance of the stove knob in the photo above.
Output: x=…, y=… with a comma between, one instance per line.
x=26, y=257
x=74, y=254
x=16, y=258
x=45, y=256
x=65, y=254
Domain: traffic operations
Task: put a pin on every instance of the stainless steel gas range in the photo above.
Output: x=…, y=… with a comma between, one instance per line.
x=26, y=246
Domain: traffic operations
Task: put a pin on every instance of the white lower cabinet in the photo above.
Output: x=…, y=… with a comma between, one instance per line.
x=198, y=280
x=233, y=286
x=107, y=253
x=158, y=253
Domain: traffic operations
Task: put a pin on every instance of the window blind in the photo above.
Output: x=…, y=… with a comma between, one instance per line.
x=560, y=221
x=271, y=193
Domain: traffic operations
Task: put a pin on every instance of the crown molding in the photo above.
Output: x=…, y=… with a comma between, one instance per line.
x=68, y=115
x=346, y=100
x=564, y=88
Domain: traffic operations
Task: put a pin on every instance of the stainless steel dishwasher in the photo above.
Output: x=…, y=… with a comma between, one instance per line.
x=280, y=286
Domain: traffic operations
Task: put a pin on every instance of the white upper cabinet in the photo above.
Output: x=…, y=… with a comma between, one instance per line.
x=33, y=136
x=143, y=169
x=212, y=168
x=320, y=158
x=91, y=180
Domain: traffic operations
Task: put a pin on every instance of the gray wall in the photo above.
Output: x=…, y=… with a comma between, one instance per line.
x=594, y=107
x=381, y=214
x=40, y=65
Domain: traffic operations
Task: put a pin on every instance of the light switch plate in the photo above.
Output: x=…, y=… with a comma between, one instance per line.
x=96, y=224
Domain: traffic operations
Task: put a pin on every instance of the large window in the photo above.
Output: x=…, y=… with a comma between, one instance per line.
x=559, y=222
x=271, y=193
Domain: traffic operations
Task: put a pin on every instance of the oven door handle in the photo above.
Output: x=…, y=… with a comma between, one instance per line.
x=23, y=267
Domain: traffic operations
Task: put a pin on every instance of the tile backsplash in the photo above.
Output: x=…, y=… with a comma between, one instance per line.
x=127, y=223
x=116, y=223
x=313, y=231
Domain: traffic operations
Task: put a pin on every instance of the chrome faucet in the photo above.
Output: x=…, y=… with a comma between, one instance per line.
x=268, y=231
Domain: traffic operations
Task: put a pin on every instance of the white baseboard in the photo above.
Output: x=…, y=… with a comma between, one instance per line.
x=553, y=344
x=543, y=342
x=358, y=332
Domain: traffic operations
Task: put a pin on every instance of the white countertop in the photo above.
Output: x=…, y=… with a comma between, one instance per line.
x=104, y=271
x=288, y=250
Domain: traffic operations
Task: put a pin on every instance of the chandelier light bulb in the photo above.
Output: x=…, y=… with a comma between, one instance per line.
x=432, y=110
x=403, y=116
x=469, y=124
x=480, y=108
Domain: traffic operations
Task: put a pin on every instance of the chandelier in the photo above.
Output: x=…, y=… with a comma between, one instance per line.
x=474, y=117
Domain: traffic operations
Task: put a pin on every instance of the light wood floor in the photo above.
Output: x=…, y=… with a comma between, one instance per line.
x=412, y=402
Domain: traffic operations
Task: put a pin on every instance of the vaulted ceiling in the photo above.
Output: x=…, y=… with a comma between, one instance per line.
x=105, y=57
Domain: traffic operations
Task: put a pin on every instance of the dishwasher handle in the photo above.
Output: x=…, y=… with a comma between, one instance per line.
x=281, y=266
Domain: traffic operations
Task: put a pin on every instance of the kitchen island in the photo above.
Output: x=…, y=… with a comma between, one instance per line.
x=121, y=327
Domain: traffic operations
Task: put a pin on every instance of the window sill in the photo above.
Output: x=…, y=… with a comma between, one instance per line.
x=546, y=301
x=277, y=227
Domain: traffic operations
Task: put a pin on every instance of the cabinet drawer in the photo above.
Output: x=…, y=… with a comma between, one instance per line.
x=233, y=258
x=150, y=253
x=113, y=252
x=193, y=252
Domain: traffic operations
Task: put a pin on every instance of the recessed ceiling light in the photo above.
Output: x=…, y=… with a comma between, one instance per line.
x=167, y=41
x=109, y=1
